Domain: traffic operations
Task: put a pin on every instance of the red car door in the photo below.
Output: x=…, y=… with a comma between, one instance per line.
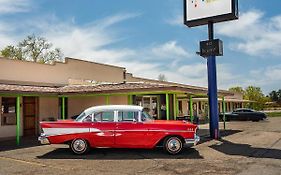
x=129, y=132
x=102, y=129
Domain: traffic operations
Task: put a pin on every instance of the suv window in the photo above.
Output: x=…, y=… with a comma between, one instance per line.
x=104, y=116
x=128, y=116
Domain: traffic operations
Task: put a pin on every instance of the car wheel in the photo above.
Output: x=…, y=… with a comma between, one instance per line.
x=173, y=145
x=79, y=146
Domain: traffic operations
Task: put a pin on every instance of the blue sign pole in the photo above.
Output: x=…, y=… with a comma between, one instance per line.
x=212, y=90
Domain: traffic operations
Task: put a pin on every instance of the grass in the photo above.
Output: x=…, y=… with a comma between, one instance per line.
x=273, y=114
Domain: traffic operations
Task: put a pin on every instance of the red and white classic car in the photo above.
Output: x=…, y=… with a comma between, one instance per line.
x=119, y=126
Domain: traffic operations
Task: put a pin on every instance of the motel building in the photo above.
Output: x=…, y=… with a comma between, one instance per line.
x=33, y=92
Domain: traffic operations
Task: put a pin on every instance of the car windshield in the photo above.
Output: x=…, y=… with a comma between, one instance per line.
x=146, y=117
x=80, y=117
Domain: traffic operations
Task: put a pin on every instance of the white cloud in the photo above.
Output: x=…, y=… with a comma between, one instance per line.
x=255, y=34
x=14, y=6
x=176, y=20
x=170, y=50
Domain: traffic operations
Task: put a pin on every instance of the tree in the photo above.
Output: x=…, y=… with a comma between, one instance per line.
x=255, y=94
x=36, y=49
x=162, y=77
x=275, y=96
x=237, y=89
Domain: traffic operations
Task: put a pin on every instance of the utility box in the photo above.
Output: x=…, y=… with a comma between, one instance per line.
x=211, y=48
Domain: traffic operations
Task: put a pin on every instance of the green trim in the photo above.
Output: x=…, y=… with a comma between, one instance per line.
x=223, y=111
x=18, y=121
x=177, y=109
x=175, y=106
x=191, y=108
x=107, y=100
x=63, y=108
x=158, y=107
x=167, y=107
x=130, y=99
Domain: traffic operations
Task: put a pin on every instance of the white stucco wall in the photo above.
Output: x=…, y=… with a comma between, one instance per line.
x=77, y=104
x=48, y=107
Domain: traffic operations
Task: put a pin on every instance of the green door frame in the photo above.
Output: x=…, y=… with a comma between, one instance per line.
x=18, y=128
x=63, y=108
x=167, y=107
x=191, y=109
x=223, y=111
x=175, y=106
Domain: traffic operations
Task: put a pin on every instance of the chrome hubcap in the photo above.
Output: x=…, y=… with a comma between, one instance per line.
x=79, y=145
x=174, y=145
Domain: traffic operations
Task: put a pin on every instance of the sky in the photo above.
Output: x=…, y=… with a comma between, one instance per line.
x=148, y=38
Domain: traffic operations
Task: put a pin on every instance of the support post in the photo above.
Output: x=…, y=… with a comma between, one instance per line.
x=63, y=108
x=18, y=121
x=130, y=100
x=175, y=106
x=223, y=111
x=158, y=107
x=107, y=100
x=191, y=109
x=212, y=89
x=167, y=107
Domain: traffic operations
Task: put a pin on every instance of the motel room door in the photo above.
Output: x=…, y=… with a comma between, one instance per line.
x=29, y=116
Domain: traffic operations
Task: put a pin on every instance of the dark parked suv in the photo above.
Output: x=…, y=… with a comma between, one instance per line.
x=244, y=115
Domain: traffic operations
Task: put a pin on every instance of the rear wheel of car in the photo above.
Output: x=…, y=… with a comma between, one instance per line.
x=173, y=145
x=79, y=146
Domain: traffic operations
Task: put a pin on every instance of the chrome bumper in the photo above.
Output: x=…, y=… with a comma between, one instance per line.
x=192, y=142
x=43, y=139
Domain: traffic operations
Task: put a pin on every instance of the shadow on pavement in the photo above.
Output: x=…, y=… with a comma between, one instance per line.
x=246, y=150
x=25, y=142
x=121, y=154
x=205, y=135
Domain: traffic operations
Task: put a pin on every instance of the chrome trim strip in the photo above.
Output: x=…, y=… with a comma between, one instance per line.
x=43, y=139
x=193, y=141
x=152, y=131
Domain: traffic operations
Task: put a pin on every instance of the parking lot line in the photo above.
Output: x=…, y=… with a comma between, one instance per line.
x=32, y=163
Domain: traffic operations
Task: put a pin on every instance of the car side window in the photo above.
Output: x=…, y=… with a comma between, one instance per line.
x=104, y=116
x=88, y=118
x=145, y=117
x=127, y=116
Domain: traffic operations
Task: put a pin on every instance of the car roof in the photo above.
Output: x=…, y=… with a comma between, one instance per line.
x=244, y=109
x=113, y=107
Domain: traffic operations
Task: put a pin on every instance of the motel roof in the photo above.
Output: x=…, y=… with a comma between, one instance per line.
x=105, y=88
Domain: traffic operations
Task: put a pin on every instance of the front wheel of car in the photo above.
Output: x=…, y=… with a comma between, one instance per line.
x=79, y=146
x=173, y=145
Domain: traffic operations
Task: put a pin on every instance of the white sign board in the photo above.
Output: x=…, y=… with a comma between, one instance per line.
x=200, y=12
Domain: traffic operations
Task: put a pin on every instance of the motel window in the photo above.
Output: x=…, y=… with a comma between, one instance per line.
x=8, y=111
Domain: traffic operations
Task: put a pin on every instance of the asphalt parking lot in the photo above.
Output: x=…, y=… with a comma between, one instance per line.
x=245, y=148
